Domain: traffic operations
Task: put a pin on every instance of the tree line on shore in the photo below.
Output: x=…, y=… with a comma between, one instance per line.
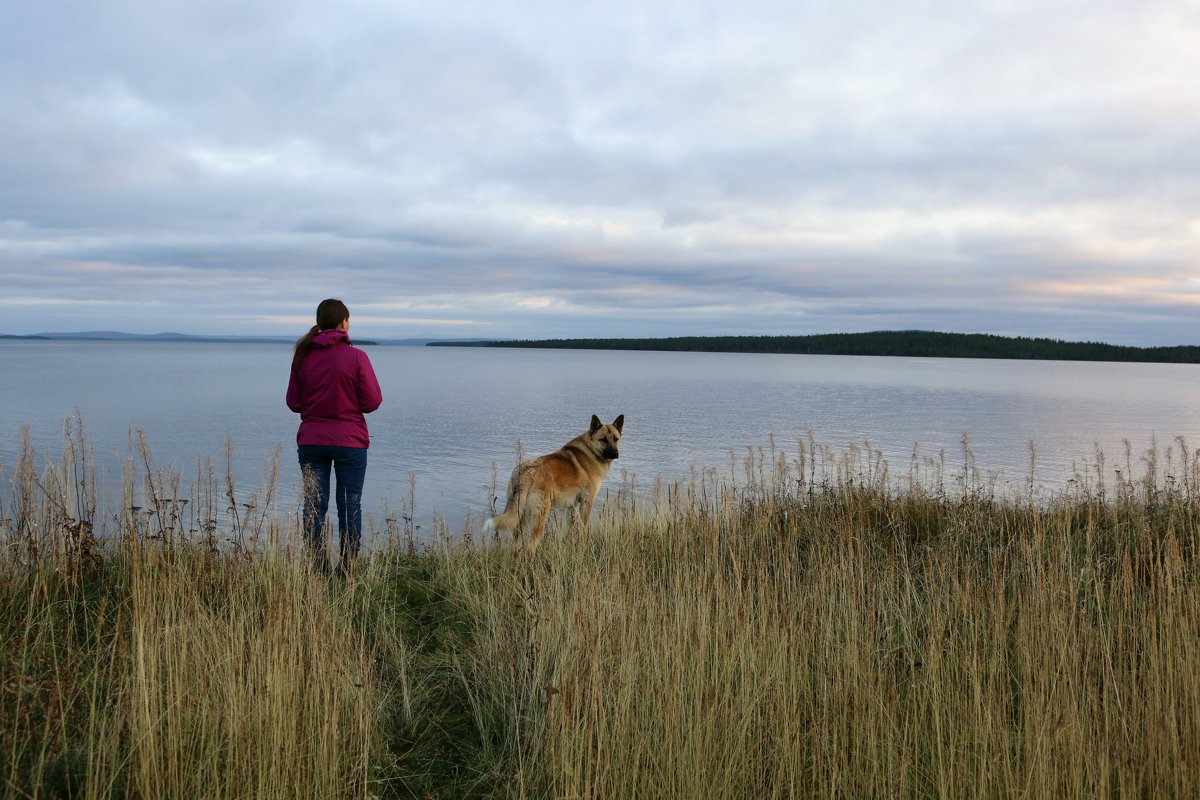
x=926, y=344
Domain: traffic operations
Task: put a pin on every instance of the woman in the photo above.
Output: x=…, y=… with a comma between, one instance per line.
x=331, y=387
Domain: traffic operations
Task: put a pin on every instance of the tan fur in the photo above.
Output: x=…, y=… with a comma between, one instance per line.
x=566, y=478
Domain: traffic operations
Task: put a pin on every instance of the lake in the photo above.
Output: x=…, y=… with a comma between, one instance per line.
x=451, y=414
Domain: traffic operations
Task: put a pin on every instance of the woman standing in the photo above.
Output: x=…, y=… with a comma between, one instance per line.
x=331, y=387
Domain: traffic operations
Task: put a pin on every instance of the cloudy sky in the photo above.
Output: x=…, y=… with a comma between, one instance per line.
x=548, y=169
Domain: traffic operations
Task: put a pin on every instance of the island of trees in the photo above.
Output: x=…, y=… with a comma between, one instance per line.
x=926, y=344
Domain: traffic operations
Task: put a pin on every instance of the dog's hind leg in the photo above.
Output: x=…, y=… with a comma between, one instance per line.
x=534, y=521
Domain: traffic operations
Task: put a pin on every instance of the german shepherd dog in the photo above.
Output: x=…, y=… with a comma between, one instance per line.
x=566, y=478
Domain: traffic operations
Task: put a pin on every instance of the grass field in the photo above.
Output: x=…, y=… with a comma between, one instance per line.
x=818, y=627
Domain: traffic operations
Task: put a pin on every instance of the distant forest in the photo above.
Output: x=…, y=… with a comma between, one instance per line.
x=925, y=344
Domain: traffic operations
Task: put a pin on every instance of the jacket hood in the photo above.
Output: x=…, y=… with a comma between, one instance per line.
x=330, y=337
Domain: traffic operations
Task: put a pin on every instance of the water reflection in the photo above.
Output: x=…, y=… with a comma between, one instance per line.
x=451, y=416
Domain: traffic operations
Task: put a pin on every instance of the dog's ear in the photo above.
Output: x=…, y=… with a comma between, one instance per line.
x=618, y=422
x=595, y=424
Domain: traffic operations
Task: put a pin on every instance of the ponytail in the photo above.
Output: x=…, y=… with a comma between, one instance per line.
x=330, y=314
x=303, y=345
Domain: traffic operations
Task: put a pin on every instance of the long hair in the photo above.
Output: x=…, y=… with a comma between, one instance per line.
x=330, y=314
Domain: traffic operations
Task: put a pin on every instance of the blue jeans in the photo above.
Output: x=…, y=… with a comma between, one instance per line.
x=349, y=465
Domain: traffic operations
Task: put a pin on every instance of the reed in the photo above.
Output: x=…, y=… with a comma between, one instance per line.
x=806, y=623
x=145, y=661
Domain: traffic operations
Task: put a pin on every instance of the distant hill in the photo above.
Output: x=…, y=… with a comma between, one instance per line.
x=119, y=336
x=922, y=344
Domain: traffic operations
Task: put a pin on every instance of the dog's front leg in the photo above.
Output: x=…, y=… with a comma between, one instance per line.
x=583, y=508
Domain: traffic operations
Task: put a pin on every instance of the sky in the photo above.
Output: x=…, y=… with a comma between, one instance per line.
x=574, y=169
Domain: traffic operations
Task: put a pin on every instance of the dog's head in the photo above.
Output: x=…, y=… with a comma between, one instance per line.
x=605, y=438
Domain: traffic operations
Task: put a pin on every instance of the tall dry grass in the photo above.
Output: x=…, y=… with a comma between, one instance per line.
x=152, y=663
x=803, y=624
x=839, y=638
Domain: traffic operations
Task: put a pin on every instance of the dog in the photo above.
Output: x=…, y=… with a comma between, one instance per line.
x=566, y=478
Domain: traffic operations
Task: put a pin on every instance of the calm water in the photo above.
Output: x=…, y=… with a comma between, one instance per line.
x=450, y=413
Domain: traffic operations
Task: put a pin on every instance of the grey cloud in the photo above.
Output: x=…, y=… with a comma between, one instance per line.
x=769, y=165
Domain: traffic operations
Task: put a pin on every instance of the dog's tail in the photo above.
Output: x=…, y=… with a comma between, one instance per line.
x=514, y=504
x=504, y=522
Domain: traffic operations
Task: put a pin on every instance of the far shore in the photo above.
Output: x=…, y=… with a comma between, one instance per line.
x=903, y=344
x=912, y=344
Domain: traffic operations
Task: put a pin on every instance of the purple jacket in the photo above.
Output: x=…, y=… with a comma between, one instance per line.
x=331, y=391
